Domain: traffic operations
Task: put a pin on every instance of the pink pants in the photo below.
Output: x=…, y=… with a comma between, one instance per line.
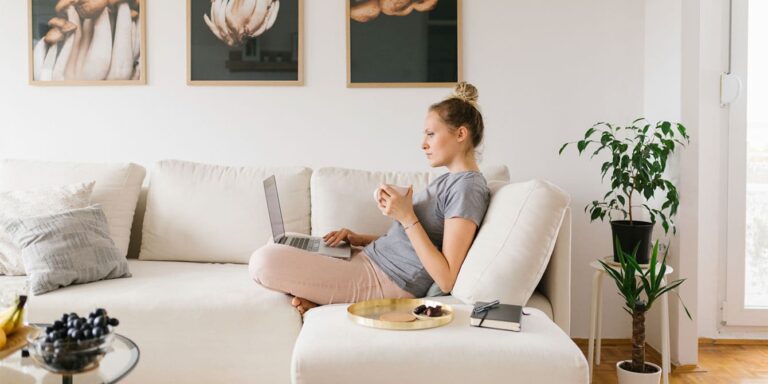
x=322, y=279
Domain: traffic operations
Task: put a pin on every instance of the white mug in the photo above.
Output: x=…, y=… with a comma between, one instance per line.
x=400, y=189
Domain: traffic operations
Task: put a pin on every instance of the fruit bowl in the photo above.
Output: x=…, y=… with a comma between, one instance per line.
x=69, y=357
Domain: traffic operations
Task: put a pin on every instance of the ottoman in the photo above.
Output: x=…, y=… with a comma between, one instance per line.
x=331, y=349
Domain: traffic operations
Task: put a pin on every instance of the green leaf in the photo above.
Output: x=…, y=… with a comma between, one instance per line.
x=665, y=128
x=589, y=133
x=680, y=299
x=581, y=145
x=654, y=255
x=560, y=152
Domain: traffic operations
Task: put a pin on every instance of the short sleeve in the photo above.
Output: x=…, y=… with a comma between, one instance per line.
x=469, y=199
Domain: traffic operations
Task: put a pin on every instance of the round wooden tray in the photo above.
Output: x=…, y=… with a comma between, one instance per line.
x=17, y=340
x=367, y=313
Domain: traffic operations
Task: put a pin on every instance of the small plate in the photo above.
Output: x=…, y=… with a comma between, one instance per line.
x=425, y=317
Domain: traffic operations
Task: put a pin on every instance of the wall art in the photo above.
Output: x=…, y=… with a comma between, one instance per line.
x=87, y=42
x=403, y=43
x=245, y=42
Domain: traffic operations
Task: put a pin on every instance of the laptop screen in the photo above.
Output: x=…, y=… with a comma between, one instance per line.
x=273, y=206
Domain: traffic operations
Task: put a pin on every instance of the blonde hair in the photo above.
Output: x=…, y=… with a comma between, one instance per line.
x=461, y=109
x=467, y=93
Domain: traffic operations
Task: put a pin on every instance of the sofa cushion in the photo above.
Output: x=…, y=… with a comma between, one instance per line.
x=65, y=248
x=210, y=213
x=192, y=321
x=514, y=244
x=35, y=202
x=117, y=187
x=333, y=349
x=342, y=198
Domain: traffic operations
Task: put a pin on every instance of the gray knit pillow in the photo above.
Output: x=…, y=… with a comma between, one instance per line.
x=70, y=247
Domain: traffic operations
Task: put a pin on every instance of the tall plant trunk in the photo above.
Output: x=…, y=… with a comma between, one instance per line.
x=638, y=338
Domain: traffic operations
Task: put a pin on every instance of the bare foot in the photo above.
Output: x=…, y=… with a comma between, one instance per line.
x=302, y=305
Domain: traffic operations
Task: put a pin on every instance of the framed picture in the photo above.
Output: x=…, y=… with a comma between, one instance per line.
x=403, y=43
x=252, y=42
x=87, y=42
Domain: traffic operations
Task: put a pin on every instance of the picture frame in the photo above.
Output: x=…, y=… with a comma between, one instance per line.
x=434, y=59
x=218, y=55
x=57, y=37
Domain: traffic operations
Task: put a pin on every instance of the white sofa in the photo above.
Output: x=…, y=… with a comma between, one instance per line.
x=198, y=317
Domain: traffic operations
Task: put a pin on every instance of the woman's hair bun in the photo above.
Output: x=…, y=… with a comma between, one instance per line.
x=466, y=91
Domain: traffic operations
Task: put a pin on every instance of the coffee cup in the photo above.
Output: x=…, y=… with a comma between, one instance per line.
x=400, y=189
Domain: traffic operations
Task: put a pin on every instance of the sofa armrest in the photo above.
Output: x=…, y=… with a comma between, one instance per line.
x=556, y=282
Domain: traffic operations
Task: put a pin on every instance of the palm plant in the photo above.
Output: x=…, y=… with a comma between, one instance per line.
x=633, y=283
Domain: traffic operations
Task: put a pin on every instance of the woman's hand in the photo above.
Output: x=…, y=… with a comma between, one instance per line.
x=335, y=238
x=396, y=206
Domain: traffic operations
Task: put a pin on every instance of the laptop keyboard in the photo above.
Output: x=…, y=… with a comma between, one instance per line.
x=304, y=243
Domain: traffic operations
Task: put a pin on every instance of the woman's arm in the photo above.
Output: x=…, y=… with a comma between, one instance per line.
x=443, y=266
x=458, y=235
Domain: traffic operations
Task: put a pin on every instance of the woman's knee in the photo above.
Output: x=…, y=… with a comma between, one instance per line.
x=264, y=263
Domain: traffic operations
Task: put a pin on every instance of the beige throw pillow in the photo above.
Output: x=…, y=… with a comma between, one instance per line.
x=514, y=244
x=35, y=202
x=65, y=248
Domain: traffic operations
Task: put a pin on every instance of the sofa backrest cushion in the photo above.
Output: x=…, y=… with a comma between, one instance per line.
x=210, y=213
x=343, y=198
x=116, y=190
x=514, y=244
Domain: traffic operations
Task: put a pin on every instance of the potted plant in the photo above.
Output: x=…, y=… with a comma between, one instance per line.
x=639, y=155
x=634, y=283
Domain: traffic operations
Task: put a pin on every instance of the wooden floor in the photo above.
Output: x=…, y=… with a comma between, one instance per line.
x=726, y=364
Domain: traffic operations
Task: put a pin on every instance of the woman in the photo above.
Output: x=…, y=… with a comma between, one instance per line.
x=430, y=236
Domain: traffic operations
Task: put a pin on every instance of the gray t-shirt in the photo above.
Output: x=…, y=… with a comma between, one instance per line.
x=460, y=194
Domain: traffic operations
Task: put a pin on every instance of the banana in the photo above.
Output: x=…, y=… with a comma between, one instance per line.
x=3, y=339
x=19, y=320
x=16, y=319
x=7, y=313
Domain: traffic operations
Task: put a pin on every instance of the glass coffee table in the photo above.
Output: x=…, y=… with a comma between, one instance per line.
x=20, y=368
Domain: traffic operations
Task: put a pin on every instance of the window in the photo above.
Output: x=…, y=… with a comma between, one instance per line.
x=747, y=279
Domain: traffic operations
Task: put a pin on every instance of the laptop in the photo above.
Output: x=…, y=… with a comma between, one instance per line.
x=311, y=244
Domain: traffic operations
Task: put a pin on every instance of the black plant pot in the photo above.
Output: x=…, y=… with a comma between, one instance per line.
x=630, y=235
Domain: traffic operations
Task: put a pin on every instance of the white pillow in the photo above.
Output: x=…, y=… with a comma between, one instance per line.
x=343, y=197
x=514, y=244
x=65, y=248
x=210, y=213
x=117, y=187
x=35, y=202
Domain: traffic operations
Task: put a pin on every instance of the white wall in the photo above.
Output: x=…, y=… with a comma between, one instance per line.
x=663, y=97
x=546, y=71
